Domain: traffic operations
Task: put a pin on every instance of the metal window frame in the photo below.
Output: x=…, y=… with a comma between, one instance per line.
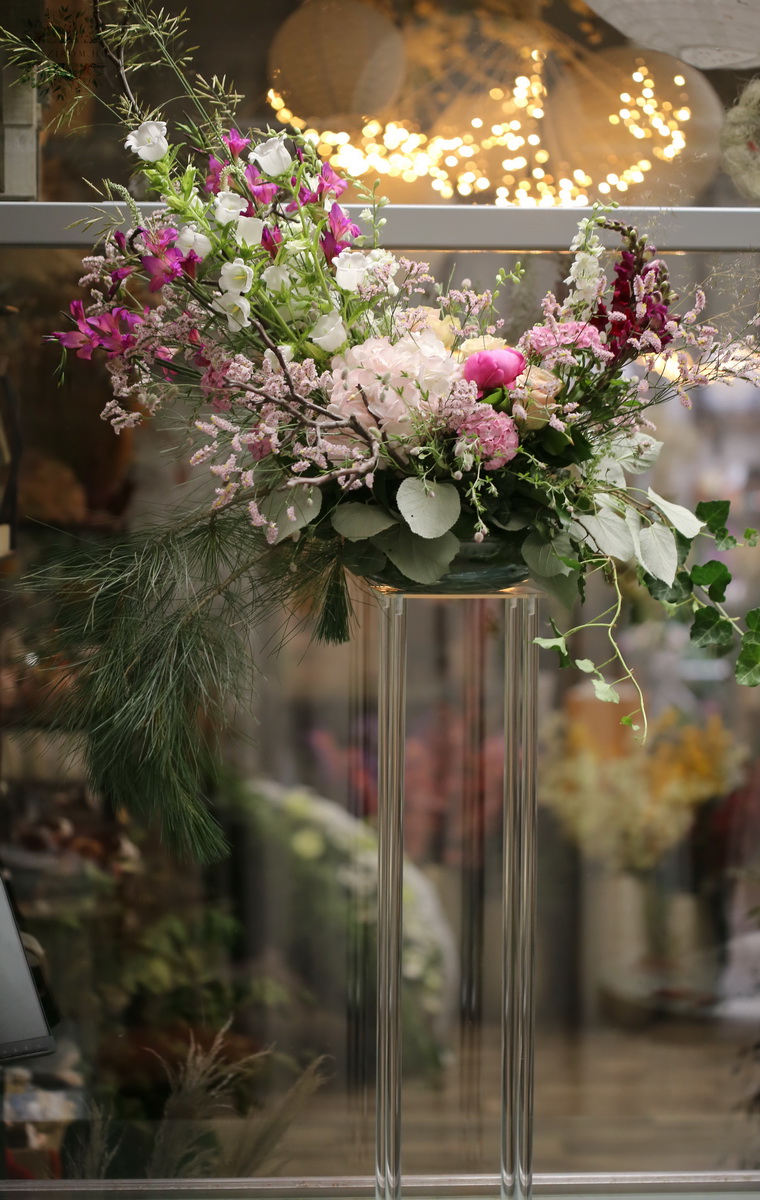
x=428, y=227
x=420, y=228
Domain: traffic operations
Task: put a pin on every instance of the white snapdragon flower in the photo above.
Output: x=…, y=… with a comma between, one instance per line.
x=248, y=231
x=236, y=277
x=272, y=156
x=329, y=333
x=236, y=308
x=190, y=238
x=229, y=206
x=148, y=141
x=275, y=278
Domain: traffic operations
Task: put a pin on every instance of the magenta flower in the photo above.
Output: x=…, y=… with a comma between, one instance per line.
x=214, y=177
x=235, y=143
x=490, y=436
x=262, y=192
x=491, y=369
x=270, y=240
x=340, y=233
x=83, y=339
x=330, y=181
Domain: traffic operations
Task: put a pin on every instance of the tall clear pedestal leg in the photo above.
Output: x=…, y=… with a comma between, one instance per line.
x=519, y=889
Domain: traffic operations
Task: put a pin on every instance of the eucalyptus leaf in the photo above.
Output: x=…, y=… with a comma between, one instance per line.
x=303, y=502
x=358, y=521
x=544, y=558
x=423, y=560
x=563, y=588
x=658, y=553
x=680, y=518
x=429, y=509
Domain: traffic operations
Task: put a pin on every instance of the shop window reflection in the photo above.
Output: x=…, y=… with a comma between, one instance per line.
x=649, y=968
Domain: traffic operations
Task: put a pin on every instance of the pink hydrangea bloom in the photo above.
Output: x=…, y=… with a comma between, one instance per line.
x=491, y=436
x=497, y=368
x=415, y=373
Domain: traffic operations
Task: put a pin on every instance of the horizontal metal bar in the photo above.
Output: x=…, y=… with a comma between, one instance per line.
x=668, y=1186
x=438, y=227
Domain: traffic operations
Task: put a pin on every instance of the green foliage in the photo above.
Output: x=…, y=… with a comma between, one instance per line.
x=710, y=629
x=714, y=576
x=155, y=629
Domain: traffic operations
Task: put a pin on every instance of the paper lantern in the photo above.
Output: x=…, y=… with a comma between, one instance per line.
x=336, y=57
x=635, y=117
x=740, y=141
x=705, y=33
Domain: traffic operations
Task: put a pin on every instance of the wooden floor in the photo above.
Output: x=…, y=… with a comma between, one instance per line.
x=663, y=1098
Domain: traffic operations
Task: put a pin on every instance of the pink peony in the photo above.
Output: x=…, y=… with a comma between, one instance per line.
x=491, y=369
x=490, y=436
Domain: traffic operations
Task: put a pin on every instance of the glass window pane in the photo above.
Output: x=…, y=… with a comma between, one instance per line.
x=648, y=987
x=450, y=102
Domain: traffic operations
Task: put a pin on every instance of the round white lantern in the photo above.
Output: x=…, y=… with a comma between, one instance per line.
x=705, y=33
x=635, y=119
x=337, y=56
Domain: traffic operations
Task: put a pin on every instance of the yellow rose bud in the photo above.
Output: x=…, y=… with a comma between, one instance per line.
x=542, y=387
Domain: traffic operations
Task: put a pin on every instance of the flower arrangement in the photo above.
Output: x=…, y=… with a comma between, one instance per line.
x=355, y=416
x=628, y=809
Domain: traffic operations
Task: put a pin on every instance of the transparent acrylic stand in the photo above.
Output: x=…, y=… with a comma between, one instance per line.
x=518, y=896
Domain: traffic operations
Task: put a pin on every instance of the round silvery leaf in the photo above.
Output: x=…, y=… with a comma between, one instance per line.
x=429, y=509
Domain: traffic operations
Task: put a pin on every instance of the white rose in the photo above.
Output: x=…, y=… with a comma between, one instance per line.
x=229, y=205
x=248, y=231
x=191, y=239
x=275, y=278
x=148, y=141
x=272, y=156
x=236, y=308
x=329, y=333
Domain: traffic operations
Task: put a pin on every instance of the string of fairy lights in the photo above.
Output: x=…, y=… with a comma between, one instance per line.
x=468, y=163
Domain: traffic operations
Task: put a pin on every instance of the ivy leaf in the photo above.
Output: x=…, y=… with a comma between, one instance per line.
x=713, y=575
x=586, y=665
x=748, y=662
x=658, y=554
x=751, y=536
x=753, y=620
x=356, y=521
x=680, y=518
x=683, y=546
x=714, y=513
x=726, y=541
x=676, y=593
x=711, y=629
x=429, y=509
x=424, y=560
x=304, y=504
x=556, y=643
x=628, y=720
x=605, y=691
